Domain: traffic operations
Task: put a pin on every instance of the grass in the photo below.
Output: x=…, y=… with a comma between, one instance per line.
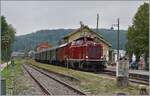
x=8, y=72
x=90, y=82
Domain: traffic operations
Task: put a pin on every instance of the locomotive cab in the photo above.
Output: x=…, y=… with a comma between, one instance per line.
x=86, y=53
x=87, y=47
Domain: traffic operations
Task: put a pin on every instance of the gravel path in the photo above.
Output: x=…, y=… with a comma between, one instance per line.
x=27, y=86
x=52, y=86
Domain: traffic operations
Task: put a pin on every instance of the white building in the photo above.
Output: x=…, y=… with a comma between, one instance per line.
x=121, y=54
x=31, y=53
x=18, y=54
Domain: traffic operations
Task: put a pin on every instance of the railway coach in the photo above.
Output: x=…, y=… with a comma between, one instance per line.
x=83, y=53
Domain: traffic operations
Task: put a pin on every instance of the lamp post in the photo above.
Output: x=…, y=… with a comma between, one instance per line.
x=122, y=64
x=118, y=40
x=31, y=40
x=117, y=35
x=97, y=22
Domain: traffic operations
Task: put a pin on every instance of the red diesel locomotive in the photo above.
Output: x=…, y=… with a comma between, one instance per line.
x=83, y=53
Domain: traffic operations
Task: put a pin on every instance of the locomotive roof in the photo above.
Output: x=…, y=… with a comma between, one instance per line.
x=62, y=45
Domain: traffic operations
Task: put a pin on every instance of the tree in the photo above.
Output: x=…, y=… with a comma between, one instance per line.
x=7, y=39
x=138, y=33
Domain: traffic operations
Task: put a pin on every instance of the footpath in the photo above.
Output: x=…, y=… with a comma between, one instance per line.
x=2, y=66
x=142, y=72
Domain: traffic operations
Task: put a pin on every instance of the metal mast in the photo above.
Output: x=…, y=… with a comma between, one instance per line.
x=97, y=23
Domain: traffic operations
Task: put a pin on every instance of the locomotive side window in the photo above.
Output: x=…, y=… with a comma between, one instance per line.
x=79, y=42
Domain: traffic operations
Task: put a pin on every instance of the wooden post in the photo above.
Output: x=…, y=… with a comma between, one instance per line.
x=122, y=72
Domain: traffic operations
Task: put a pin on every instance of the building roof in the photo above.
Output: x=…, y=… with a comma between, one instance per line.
x=43, y=44
x=81, y=28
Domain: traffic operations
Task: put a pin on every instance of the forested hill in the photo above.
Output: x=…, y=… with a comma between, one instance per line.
x=29, y=41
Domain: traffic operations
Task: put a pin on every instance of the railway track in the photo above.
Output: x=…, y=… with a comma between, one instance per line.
x=135, y=78
x=38, y=83
x=49, y=84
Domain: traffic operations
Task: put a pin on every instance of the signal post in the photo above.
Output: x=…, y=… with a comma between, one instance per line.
x=122, y=69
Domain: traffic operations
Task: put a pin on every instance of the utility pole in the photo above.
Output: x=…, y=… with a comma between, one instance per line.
x=117, y=36
x=118, y=40
x=97, y=23
x=121, y=64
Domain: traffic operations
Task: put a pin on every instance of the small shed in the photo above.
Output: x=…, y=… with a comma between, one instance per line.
x=42, y=46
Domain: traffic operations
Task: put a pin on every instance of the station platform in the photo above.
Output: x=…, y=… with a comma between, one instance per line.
x=140, y=72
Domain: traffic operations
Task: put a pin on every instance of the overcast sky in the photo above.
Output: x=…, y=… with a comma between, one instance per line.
x=30, y=16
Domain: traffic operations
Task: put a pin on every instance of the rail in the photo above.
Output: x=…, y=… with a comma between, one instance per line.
x=59, y=81
x=38, y=83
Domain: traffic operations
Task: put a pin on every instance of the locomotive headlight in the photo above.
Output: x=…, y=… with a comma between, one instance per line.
x=86, y=57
